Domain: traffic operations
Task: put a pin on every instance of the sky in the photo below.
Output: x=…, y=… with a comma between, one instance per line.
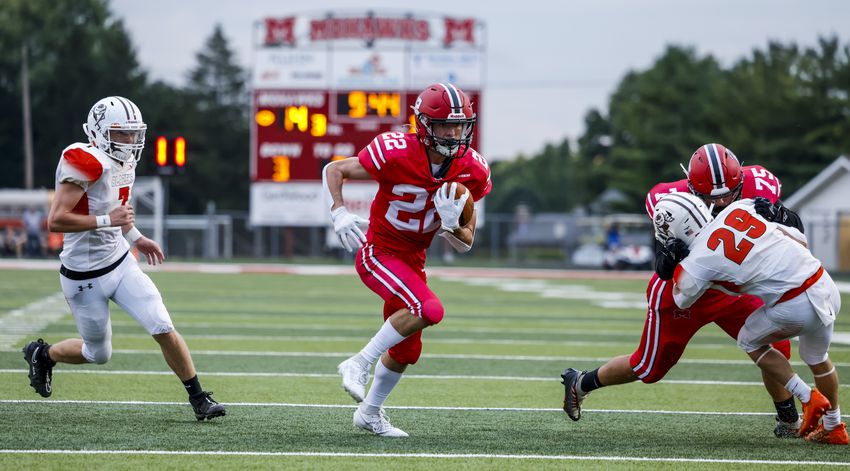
x=548, y=62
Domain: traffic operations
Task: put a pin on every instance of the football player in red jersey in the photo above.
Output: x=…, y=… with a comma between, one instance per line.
x=715, y=175
x=415, y=202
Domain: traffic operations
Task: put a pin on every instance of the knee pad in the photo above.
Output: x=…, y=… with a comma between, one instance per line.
x=98, y=353
x=432, y=311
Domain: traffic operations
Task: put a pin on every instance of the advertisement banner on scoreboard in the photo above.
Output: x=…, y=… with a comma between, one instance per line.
x=368, y=70
x=284, y=68
x=305, y=203
x=463, y=69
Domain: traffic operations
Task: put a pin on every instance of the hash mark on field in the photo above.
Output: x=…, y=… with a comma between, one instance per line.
x=603, y=299
x=425, y=455
x=33, y=317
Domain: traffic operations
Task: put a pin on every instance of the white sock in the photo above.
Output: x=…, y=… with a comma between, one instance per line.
x=799, y=389
x=832, y=418
x=386, y=338
x=384, y=382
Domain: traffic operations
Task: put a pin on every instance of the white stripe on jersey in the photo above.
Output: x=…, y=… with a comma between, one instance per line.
x=372, y=155
x=380, y=151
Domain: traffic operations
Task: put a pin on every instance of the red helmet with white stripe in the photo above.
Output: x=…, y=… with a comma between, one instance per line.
x=444, y=103
x=715, y=175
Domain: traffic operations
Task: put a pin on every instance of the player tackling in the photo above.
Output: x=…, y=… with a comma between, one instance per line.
x=416, y=199
x=91, y=206
x=741, y=252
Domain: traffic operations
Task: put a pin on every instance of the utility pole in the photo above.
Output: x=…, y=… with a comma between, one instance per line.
x=27, y=116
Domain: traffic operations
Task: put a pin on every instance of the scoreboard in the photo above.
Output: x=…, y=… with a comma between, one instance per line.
x=323, y=86
x=299, y=131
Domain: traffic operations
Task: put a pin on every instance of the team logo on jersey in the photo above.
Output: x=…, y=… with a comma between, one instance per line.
x=682, y=314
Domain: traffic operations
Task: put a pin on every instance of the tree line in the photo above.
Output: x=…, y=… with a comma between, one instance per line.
x=784, y=107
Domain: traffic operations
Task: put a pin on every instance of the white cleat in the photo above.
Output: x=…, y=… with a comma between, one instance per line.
x=379, y=424
x=354, y=378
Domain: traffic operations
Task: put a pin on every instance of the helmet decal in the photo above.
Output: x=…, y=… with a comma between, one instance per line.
x=98, y=112
x=115, y=126
x=681, y=216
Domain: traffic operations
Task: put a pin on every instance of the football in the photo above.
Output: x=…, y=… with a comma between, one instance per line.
x=466, y=215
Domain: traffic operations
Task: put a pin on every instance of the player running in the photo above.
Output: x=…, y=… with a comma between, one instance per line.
x=415, y=201
x=94, y=183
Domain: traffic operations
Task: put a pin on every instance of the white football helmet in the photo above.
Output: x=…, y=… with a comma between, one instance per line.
x=115, y=126
x=680, y=216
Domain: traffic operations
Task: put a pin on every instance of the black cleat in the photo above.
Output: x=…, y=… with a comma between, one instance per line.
x=572, y=399
x=205, y=406
x=40, y=371
x=787, y=429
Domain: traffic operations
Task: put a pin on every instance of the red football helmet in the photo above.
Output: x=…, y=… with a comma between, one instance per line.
x=715, y=175
x=444, y=103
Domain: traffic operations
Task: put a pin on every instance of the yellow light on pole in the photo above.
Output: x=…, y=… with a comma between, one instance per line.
x=180, y=151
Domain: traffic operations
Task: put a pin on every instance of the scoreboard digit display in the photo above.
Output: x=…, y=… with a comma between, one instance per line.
x=324, y=86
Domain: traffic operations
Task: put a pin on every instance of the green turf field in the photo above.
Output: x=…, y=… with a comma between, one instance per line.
x=485, y=395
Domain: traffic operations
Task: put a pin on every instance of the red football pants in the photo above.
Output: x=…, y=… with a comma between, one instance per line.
x=668, y=329
x=399, y=279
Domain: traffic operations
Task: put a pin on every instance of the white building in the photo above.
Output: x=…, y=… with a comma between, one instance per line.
x=824, y=206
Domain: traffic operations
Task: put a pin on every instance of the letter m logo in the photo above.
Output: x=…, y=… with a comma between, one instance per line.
x=280, y=31
x=459, y=30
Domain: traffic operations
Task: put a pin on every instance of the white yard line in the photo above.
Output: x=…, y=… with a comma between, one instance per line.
x=363, y=339
x=449, y=356
x=240, y=374
x=351, y=406
x=19, y=323
x=428, y=456
x=482, y=456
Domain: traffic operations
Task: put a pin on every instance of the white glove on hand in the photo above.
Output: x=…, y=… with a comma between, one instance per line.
x=345, y=226
x=448, y=207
